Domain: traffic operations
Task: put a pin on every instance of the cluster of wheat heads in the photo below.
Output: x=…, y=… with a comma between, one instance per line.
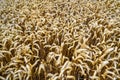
x=59, y=39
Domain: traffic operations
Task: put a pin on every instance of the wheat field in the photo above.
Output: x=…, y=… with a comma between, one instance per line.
x=59, y=39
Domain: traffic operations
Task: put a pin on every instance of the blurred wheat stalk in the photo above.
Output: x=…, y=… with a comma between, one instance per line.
x=59, y=39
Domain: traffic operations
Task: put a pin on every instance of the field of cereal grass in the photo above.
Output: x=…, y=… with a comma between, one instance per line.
x=59, y=40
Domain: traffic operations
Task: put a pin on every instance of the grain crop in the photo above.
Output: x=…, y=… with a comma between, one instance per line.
x=59, y=39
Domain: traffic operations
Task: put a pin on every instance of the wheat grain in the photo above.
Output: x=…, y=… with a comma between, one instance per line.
x=59, y=39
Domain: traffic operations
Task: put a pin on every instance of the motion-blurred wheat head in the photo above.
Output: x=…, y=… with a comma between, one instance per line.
x=59, y=40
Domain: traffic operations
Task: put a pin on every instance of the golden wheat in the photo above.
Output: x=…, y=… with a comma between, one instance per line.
x=59, y=39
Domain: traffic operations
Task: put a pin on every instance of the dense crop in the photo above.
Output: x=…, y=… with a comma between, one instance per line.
x=59, y=40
